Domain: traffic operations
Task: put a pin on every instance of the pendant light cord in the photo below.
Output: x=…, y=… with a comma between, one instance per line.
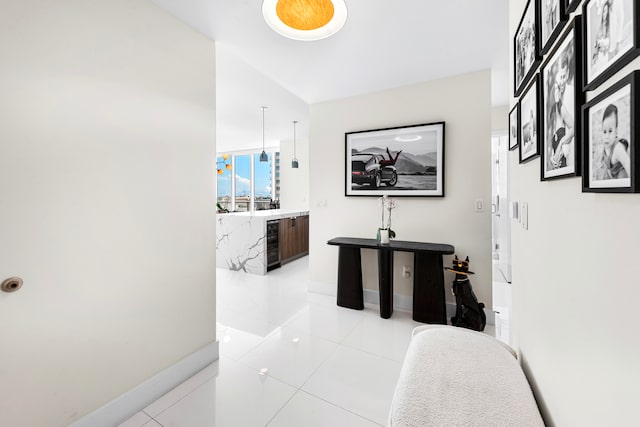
x=294, y=138
x=263, y=108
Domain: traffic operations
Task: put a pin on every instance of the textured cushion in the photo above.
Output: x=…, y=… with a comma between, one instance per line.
x=458, y=377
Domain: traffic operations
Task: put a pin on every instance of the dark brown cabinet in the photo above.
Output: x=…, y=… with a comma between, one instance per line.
x=294, y=238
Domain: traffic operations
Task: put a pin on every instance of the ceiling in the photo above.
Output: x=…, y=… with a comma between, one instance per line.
x=380, y=47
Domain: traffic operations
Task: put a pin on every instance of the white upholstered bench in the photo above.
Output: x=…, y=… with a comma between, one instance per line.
x=457, y=377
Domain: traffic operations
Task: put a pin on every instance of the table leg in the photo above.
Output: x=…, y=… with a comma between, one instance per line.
x=350, y=278
x=385, y=282
x=428, y=289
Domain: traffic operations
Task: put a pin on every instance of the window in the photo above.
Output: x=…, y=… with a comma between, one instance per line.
x=242, y=177
x=250, y=181
x=263, y=186
x=224, y=187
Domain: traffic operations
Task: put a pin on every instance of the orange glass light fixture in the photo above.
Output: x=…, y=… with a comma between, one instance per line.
x=305, y=20
x=226, y=165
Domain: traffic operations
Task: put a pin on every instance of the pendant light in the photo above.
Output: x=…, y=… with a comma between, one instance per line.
x=294, y=162
x=263, y=155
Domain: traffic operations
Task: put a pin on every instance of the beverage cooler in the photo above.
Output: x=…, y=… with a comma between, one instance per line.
x=273, y=244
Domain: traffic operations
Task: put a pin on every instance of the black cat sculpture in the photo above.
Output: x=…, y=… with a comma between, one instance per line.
x=469, y=312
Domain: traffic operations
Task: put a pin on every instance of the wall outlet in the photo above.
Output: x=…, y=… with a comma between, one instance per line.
x=406, y=271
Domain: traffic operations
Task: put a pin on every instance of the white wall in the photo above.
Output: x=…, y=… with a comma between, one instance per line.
x=294, y=183
x=500, y=118
x=240, y=92
x=107, y=141
x=463, y=102
x=575, y=292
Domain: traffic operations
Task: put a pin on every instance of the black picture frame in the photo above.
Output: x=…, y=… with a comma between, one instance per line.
x=514, y=128
x=571, y=5
x=605, y=172
x=551, y=22
x=562, y=98
x=397, y=161
x=526, y=48
x=529, y=121
x=602, y=56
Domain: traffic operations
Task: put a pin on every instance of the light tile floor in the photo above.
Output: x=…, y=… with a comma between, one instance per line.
x=289, y=357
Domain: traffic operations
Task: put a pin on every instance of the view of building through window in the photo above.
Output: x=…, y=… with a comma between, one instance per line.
x=262, y=182
x=224, y=188
x=242, y=178
x=234, y=186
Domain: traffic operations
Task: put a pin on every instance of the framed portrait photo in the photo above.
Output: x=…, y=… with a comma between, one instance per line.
x=526, y=50
x=514, y=129
x=610, y=152
x=571, y=5
x=529, y=122
x=552, y=17
x=399, y=161
x=611, y=38
x=562, y=98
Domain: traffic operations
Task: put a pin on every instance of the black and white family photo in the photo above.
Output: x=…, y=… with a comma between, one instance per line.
x=526, y=56
x=610, y=36
x=513, y=128
x=610, y=140
x=551, y=18
x=403, y=161
x=562, y=98
x=529, y=123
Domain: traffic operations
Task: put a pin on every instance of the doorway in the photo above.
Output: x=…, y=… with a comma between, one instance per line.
x=501, y=234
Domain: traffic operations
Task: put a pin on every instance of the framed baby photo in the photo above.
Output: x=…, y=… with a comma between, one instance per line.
x=551, y=18
x=514, y=129
x=610, y=158
x=571, y=5
x=611, y=38
x=562, y=97
x=529, y=121
x=526, y=48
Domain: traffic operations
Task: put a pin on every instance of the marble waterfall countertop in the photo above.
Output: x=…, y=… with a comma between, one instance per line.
x=241, y=243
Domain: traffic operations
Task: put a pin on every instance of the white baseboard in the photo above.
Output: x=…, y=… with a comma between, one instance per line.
x=405, y=302
x=126, y=405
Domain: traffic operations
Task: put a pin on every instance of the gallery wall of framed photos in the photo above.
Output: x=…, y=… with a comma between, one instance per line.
x=574, y=108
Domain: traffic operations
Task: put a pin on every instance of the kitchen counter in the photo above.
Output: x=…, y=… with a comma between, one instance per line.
x=241, y=238
x=268, y=214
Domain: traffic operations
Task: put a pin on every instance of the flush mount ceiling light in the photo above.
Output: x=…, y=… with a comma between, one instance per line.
x=305, y=20
x=408, y=138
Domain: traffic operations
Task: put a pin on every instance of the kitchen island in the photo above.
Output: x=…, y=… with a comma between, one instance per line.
x=256, y=242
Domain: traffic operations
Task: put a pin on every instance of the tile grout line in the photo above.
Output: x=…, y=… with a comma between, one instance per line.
x=372, y=353
x=179, y=400
x=300, y=390
x=331, y=403
x=281, y=408
x=338, y=406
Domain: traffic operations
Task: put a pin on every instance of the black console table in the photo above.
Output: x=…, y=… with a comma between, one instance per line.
x=428, y=276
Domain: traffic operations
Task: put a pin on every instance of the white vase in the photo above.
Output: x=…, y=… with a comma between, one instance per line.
x=384, y=236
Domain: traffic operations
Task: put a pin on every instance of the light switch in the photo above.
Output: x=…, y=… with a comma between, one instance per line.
x=525, y=215
x=479, y=205
x=514, y=211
